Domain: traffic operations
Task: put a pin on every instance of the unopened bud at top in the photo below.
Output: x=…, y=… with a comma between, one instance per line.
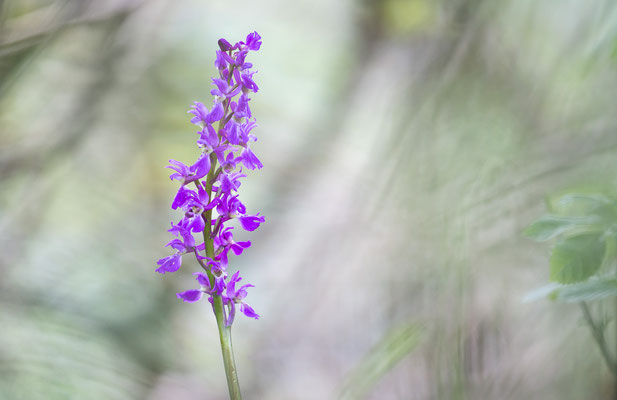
x=224, y=45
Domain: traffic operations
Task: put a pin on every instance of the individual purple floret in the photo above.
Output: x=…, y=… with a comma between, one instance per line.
x=208, y=192
x=235, y=296
x=191, y=296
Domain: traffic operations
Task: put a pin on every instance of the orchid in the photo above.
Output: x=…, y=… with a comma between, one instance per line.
x=209, y=197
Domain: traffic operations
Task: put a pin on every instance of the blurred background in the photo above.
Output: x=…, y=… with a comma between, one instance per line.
x=406, y=145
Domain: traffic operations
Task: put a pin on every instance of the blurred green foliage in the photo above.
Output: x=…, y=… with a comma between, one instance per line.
x=584, y=259
x=397, y=344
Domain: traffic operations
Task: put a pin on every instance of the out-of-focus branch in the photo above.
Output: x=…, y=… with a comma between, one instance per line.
x=45, y=21
x=21, y=158
x=34, y=160
x=21, y=37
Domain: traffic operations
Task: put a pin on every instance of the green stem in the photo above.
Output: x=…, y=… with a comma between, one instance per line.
x=217, y=301
x=598, y=334
x=227, y=350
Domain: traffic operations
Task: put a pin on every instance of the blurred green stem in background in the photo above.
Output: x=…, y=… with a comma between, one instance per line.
x=395, y=345
x=597, y=329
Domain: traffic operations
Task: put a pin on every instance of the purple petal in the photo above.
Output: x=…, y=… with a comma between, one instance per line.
x=220, y=62
x=248, y=311
x=176, y=244
x=211, y=137
x=237, y=75
x=224, y=45
x=221, y=84
x=202, y=195
x=190, y=296
x=202, y=279
x=199, y=111
x=251, y=222
x=253, y=41
x=212, y=204
x=241, y=293
x=240, y=57
x=231, y=130
x=250, y=160
x=239, y=247
x=189, y=240
x=249, y=83
x=182, y=197
x=178, y=167
x=224, y=261
x=232, y=315
x=229, y=59
x=216, y=113
x=201, y=167
x=234, y=92
x=169, y=264
x=243, y=109
x=231, y=285
x=219, y=285
x=197, y=224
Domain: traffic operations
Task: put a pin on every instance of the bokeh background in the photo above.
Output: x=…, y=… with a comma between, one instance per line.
x=406, y=145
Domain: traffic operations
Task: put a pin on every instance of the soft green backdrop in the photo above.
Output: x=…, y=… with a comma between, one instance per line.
x=406, y=145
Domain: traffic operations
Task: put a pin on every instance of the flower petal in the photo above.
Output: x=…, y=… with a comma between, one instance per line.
x=248, y=311
x=251, y=222
x=190, y=296
x=169, y=264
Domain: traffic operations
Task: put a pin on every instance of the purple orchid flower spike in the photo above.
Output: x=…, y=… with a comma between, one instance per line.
x=208, y=194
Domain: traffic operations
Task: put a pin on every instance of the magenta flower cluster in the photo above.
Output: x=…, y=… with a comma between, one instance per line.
x=208, y=194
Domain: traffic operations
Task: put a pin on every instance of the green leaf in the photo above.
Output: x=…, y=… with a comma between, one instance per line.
x=548, y=291
x=593, y=289
x=576, y=258
x=551, y=226
x=583, y=204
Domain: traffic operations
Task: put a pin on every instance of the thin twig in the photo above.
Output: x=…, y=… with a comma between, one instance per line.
x=598, y=334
